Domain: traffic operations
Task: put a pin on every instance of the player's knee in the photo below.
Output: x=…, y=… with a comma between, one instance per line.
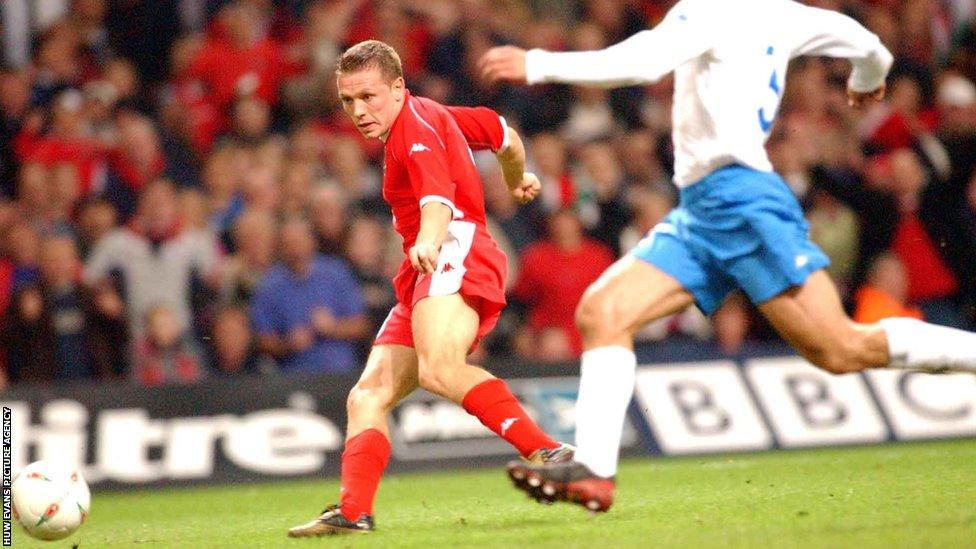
x=594, y=315
x=364, y=399
x=837, y=360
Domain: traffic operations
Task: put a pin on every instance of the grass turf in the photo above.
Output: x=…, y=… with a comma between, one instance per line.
x=897, y=495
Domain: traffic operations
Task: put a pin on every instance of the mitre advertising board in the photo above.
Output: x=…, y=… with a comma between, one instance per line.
x=286, y=427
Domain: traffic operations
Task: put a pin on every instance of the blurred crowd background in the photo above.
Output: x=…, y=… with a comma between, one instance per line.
x=181, y=196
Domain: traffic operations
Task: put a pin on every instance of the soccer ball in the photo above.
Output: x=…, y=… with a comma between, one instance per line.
x=50, y=500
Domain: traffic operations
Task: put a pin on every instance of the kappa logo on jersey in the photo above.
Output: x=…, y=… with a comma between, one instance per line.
x=447, y=268
x=507, y=424
x=418, y=147
x=801, y=261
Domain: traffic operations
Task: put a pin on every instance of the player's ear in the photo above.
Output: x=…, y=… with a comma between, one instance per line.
x=399, y=88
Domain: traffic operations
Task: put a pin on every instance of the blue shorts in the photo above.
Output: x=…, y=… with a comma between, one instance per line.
x=736, y=228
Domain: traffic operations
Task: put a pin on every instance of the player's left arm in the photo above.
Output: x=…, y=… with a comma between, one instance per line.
x=833, y=34
x=484, y=129
x=523, y=185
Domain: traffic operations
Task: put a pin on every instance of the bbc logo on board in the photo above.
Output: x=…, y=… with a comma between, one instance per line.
x=785, y=402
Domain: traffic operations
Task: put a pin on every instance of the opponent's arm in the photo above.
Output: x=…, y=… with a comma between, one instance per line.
x=643, y=58
x=832, y=34
x=523, y=185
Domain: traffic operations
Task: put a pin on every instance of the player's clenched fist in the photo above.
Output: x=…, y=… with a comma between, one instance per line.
x=528, y=189
x=504, y=63
x=423, y=257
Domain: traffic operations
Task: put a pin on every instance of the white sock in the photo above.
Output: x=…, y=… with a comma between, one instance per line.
x=917, y=345
x=606, y=387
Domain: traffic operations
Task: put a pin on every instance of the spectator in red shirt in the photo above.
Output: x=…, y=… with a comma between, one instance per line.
x=66, y=141
x=187, y=106
x=929, y=278
x=136, y=160
x=555, y=272
x=239, y=59
x=390, y=22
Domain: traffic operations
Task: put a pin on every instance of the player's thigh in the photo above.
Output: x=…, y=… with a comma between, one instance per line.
x=812, y=319
x=389, y=376
x=444, y=328
x=631, y=293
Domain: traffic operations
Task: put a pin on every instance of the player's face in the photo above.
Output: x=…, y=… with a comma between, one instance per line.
x=371, y=101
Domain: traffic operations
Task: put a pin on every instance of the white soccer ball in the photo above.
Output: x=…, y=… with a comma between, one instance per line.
x=50, y=500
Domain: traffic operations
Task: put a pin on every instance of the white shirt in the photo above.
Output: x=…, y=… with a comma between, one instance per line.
x=729, y=60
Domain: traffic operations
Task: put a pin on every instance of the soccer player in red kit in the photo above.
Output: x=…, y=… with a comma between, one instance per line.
x=450, y=287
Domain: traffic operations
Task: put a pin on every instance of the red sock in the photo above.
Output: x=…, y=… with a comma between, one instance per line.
x=492, y=403
x=363, y=462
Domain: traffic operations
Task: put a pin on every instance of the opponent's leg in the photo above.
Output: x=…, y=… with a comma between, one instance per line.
x=810, y=317
x=627, y=296
x=390, y=375
x=444, y=328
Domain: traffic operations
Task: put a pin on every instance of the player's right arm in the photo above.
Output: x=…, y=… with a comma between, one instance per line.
x=833, y=34
x=685, y=33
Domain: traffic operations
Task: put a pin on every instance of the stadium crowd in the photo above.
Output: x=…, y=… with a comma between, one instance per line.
x=182, y=197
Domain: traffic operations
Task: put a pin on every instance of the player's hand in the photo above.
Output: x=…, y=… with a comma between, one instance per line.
x=423, y=257
x=528, y=189
x=503, y=63
x=323, y=321
x=861, y=99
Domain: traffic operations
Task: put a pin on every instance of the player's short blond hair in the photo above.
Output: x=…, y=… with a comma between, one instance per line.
x=370, y=54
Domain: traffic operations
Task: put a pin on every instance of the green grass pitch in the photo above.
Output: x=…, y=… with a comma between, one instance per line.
x=897, y=495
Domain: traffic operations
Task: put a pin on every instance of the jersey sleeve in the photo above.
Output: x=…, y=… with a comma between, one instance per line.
x=832, y=34
x=424, y=154
x=482, y=127
x=685, y=33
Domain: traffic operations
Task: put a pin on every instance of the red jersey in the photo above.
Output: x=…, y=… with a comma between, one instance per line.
x=428, y=158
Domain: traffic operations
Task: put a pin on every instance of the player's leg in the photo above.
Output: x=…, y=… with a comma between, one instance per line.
x=810, y=317
x=771, y=257
x=389, y=376
x=444, y=329
x=627, y=296
x=631, y=293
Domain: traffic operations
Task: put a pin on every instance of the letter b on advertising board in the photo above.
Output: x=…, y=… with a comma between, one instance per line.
x=700, y=407
x=809, y=407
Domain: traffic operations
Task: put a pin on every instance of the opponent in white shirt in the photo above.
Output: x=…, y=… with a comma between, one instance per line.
x=737, y=226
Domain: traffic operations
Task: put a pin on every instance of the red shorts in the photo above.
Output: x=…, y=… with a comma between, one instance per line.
x=470, y=264
x=398, y=330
